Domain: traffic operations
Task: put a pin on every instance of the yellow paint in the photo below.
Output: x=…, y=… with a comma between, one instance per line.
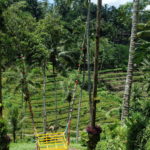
x=52, y=141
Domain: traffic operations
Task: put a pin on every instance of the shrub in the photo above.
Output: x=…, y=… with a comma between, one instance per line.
x=84, y=138
x=138, y=123
x=146, y=137
x=13, y=115
x=138, y=133
x=4, y=138
x=113, y=137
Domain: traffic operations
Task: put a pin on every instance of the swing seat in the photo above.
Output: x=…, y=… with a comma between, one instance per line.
x=52, y=141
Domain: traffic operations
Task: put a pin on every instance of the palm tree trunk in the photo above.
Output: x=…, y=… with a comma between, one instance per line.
x=44, y=99
x=26, y=92
x=80, y=99
x=56, y=102
x=128, y=84
x=1, y=103
x=99, y=3
x=14, y=134
x=31, y=114
x=69, y=107
x=89, y=59
x=94, y=137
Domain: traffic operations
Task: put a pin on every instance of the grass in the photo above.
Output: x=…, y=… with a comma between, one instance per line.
x=31, y=146
x=107, y=109
x=77, y=146
x=22, y=146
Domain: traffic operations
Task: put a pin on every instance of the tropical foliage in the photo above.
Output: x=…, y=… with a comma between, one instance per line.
x=44, y=56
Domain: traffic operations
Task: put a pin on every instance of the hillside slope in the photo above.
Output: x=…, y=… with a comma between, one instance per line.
x=111, y=84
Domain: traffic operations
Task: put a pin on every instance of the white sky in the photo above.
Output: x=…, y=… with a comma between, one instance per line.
x=113, y=2
x=148, y=8
x=109, y=2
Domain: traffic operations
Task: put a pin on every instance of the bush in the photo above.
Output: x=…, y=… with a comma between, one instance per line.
x=136, y=126
x=138, y=133
x=14, y=119
x=146, y=137
x=113, y=137
x=139, y=123
x=84, y=138
x=4, y=138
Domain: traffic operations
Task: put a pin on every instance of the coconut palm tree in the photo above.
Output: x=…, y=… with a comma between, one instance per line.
x=44, y=97
x=128, y=84
x=93, y=130
x=1, y=108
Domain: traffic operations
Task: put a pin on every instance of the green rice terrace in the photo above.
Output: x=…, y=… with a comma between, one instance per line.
x=110, y=93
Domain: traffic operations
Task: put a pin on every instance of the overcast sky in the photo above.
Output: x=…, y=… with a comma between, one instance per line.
x=109, y=2
x=113, y=2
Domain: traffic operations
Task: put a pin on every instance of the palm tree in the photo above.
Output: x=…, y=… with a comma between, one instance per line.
x=25, y=89
x=99, y=4
x=128, y=84
x=1, y=49
x=93, y=130
x=44, y=97
x=1, y=107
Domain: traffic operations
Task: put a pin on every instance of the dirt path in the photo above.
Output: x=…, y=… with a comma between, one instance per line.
x=72, y=149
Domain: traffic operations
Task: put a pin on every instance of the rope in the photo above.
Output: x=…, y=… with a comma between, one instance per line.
x=26, y=92
x=81, y=92
x=86, y=36
x=32, y=117
x=67, y=130
x=55, y=96
x=79, y=109
x=69, y=125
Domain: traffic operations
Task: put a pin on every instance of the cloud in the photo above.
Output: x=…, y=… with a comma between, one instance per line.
x=109, y=2
x=113, y=2
x=147, y=8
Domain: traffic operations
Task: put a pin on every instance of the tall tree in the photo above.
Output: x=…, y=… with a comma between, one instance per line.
x=1, y=20
x=34, y=8
x=28, y=45
x=1, y=106
x=99, y=4
x=2, y=8
x=5, y=58
x=94, y=136
x=44, y=97
x=128, y=84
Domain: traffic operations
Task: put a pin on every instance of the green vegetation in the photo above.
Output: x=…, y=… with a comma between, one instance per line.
x=46, y=53
x=4, y=139
x=31, y=146
x=23, y=146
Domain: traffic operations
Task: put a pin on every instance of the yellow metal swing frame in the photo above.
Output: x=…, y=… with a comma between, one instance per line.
x=52, y=141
